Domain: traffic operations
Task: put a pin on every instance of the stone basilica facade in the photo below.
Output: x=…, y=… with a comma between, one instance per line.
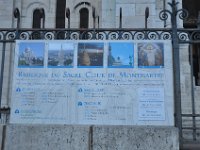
x=106, y=11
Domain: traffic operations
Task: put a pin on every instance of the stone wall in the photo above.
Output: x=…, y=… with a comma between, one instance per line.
x=63, y=137
x=134, y=12
x=6, y=21
x=6, y=13
x=27, y=7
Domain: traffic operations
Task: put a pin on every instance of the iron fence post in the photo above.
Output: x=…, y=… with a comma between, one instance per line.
x=146, y=19
x=2, y=70
x=176, y=72
x=16, y=14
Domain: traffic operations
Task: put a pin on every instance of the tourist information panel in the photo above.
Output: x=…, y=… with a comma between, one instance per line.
x=93, y=82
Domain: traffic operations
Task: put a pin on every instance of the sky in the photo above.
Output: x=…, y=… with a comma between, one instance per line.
x=57, y=46
x=122, y=50
x=37, y=48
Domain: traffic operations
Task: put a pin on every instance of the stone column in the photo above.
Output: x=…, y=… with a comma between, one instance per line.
x=159, y=7
x=168, y=7
x=108, y=14
x=6, y=21
x=179, y=21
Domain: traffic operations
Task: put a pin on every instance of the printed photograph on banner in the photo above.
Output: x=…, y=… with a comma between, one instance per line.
x=120, y=55
x=60, y=55
x=150, y=55
x=31, y=55
x=90, y=55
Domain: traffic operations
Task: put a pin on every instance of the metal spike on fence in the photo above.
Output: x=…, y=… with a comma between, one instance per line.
x=68, y=16
x=16, y=14
x=120, y=18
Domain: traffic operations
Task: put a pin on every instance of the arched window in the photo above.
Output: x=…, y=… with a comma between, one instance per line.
x=60, y=13
x=193, y=7
x=38, y=22
x=36, y=18
x=84, y=18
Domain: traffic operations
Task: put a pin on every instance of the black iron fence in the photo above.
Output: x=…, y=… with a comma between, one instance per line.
x=190, y=36
x=177, y=35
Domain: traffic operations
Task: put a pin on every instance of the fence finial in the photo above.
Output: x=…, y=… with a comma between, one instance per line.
x=68, y=16
x=94, y=16
x=42, y=16
x=120, y=17
x=16, y=14
x=146, y=16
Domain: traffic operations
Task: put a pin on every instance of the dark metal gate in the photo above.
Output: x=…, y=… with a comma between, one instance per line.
x=188, y=123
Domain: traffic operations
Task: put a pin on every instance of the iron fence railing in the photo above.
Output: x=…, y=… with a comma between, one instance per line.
x=183, y=35
x=10, y=35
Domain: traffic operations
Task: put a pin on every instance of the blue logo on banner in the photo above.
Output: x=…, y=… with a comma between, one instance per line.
x=80, y=90
x=80, y=104
x=17, y=111
x=18, y=90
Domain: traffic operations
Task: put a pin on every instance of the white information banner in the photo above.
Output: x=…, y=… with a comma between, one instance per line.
x=93, y=82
